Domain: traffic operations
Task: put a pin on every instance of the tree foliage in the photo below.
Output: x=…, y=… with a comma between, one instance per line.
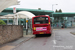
x=39, y=8
x=2, y=22
x=58, y=10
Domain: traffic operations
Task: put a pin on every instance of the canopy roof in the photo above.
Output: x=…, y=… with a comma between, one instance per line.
x=5, y=13
x=21, y=14
x=62, y=14
x=6, y=3
x=25, y=14
x=34, y=11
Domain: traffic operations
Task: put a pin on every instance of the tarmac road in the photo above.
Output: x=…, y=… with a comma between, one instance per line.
x=61, y=39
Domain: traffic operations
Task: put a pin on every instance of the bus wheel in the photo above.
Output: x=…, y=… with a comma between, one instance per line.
x=50, y=34
x=36, y=35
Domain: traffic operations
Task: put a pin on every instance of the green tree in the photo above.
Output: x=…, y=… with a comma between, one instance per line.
x=56, y=10
x=60, y=10
x=2, y=22
x=39, y=8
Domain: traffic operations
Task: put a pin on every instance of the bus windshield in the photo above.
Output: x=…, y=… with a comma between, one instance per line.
x=40, y=20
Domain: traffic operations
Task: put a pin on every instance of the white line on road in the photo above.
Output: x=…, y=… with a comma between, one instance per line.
x=54, y=41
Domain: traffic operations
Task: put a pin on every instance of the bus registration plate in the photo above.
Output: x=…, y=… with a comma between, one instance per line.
x=41, y=32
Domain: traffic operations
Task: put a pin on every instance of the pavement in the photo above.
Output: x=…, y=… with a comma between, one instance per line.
x=73, y=32
x=61, y=39
x=17, y=42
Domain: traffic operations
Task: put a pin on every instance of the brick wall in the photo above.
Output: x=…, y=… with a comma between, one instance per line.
x=10, y=33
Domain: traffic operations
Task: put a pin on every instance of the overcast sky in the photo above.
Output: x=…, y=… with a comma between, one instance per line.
x=64, y=5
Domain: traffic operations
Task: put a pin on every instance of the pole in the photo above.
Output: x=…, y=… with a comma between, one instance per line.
x=14, y=11
x=14, y=20
x=7, y=21
x=17, y=20
x=52, y=16
x=26, y=26
x=31, y=25
x=52, y=13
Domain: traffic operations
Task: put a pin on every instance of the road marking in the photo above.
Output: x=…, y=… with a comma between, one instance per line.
x=54, y=41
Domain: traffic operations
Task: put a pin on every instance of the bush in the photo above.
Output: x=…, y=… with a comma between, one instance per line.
x=2, y=22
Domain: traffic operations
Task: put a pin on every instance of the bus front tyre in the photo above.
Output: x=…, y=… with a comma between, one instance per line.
x=36, y=35
x=50, y=34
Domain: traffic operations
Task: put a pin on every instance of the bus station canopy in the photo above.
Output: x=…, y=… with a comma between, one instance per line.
x=9, y=16
x=62, y=14
x=38, y=12
x=21, y=14
x=6, y=3
x=34, y=11
x=25, y=14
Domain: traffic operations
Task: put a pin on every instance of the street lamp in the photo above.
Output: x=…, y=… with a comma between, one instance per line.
x=52, y=13
x=53, y=5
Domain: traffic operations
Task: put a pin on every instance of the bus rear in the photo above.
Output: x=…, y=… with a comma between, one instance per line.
x=41, y=25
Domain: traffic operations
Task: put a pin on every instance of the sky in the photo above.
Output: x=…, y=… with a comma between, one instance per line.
x=64, y=5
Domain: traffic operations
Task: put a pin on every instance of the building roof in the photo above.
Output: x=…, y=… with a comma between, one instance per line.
x=34, y=11
x=62, y=14
x=38, y=12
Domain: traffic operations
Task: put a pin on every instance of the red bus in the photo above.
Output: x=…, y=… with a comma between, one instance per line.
x=41, y=25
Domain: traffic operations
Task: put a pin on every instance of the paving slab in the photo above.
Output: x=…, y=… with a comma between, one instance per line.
x=13, y=44
x=7, y=47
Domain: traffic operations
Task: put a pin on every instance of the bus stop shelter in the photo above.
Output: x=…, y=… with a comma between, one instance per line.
x=20, y=15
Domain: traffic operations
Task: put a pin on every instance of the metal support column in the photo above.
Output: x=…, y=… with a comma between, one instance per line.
x=26, y=26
